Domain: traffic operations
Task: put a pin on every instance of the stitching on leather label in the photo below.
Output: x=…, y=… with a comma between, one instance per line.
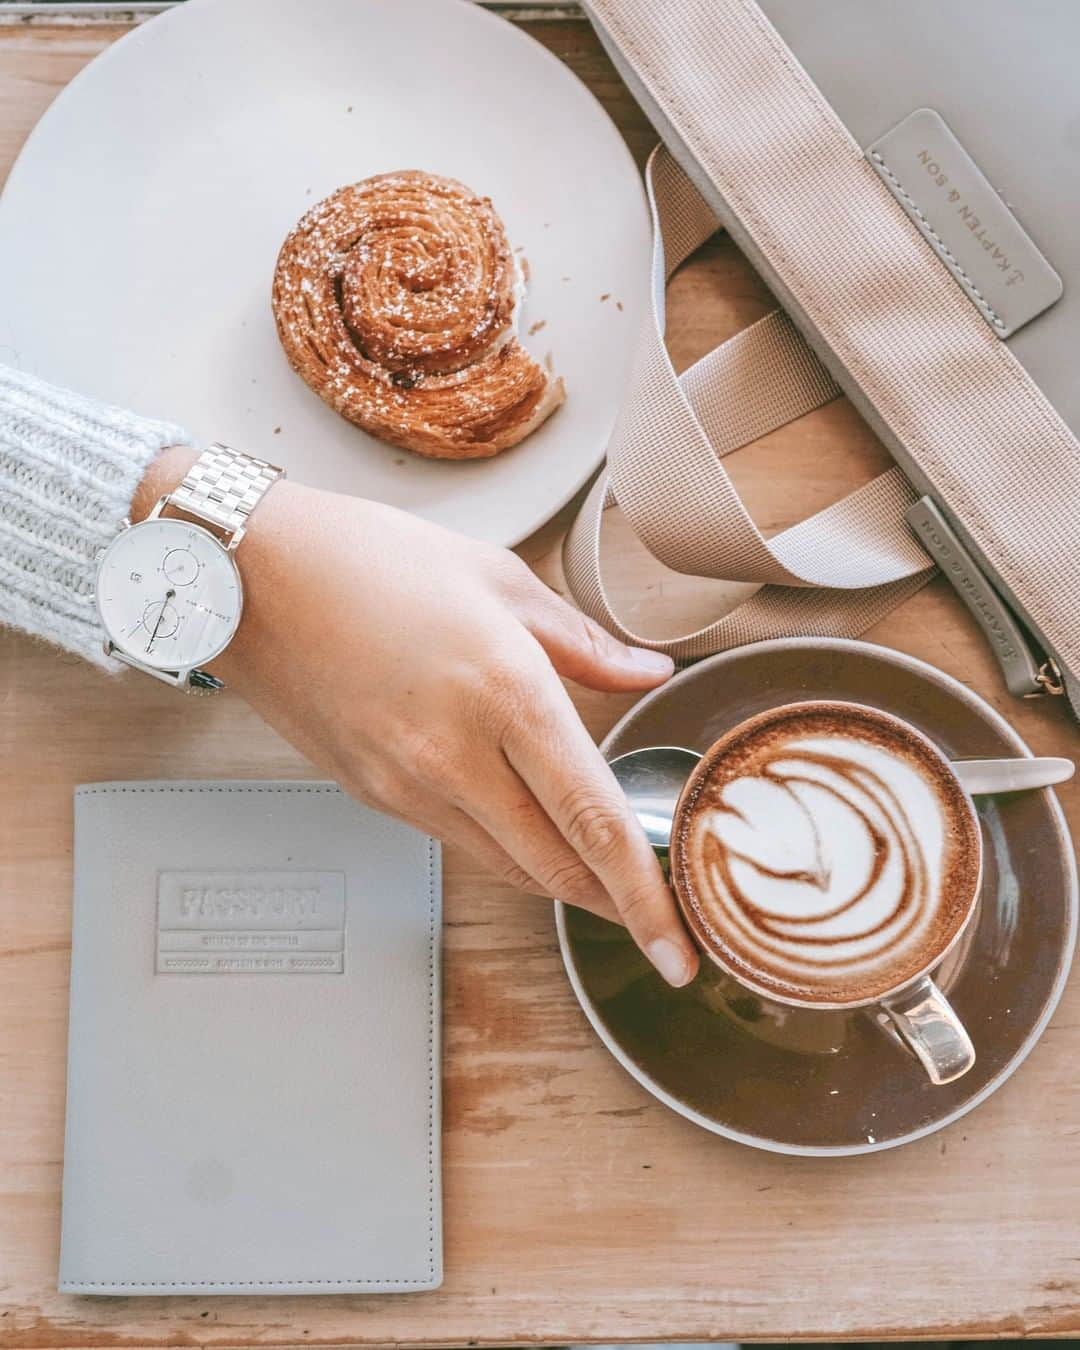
x=942, y=248
x=965, y=221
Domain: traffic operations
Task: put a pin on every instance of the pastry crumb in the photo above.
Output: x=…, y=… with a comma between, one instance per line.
x=536, y=327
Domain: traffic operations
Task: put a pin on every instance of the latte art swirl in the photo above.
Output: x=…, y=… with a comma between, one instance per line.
x=821, y=861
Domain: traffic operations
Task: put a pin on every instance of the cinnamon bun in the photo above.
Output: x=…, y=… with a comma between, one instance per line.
x=396, y=301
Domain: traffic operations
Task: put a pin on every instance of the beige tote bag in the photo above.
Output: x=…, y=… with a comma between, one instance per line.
x=906, y=281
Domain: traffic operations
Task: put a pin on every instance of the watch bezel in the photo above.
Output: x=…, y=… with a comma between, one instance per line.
x=118, y=648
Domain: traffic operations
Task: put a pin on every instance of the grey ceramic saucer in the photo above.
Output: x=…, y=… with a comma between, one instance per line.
x=834, y=1083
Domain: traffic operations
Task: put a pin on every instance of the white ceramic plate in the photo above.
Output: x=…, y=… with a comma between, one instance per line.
x=140, y=226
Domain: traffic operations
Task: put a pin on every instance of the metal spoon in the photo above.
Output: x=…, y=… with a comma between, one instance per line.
x=652, y=779
x=1012, y=775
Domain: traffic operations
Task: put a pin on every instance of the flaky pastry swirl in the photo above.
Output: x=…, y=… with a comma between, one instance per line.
x=394, y=300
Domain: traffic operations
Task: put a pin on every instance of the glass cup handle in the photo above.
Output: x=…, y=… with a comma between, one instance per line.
x=926, y=1023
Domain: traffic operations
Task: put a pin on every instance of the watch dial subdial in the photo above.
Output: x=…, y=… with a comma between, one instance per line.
x=160, y=619
x=181, y=567
x=168, y=594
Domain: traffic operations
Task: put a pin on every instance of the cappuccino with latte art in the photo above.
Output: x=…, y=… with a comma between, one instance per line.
x=825, y=854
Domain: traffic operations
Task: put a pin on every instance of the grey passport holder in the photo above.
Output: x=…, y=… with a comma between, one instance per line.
x=253, y=1058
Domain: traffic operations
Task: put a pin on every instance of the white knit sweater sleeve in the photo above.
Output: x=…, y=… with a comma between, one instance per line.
x=69, y=467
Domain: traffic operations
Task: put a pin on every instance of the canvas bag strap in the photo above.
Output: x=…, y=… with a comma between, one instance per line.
x=763, y=612
x=665, y=470
x=750, y=126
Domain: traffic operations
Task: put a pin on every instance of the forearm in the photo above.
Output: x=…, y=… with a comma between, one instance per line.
x=69, y=470
x=417, y=667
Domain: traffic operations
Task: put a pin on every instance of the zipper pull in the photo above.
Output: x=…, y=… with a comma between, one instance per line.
x=1051, y=679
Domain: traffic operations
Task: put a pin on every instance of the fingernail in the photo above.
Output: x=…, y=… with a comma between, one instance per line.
x=653, y=663
x=671, y=961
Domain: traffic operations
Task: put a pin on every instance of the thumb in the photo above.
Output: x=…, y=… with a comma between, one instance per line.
x=586, y=653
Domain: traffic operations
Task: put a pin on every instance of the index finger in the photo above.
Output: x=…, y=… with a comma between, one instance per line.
x=577, y=789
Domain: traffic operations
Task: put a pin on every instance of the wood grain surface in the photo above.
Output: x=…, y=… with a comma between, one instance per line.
x=577, y=1208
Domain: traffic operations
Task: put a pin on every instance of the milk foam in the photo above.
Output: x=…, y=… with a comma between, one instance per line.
x=822, y=867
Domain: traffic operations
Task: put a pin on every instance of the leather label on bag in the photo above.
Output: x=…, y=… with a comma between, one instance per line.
x=250, y=923
x=965, y=221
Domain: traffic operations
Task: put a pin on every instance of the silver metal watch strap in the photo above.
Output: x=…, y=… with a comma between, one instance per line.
x=224, y=486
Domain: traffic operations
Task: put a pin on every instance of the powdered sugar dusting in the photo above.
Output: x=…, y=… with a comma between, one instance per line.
x=398, y=300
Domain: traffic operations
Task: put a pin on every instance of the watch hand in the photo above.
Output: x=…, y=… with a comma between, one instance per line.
x=168, y=596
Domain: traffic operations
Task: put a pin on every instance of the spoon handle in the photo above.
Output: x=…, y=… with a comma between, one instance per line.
x=1011, y=775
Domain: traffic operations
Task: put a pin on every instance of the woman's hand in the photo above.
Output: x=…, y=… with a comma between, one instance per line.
x=418, y=668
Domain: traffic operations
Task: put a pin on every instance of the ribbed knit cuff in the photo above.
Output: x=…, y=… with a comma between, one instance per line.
x=69, y=467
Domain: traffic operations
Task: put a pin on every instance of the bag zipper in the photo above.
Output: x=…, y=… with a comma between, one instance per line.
x=1029, y=671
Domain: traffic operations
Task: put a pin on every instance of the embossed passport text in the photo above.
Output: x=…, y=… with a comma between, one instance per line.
x=250, y=923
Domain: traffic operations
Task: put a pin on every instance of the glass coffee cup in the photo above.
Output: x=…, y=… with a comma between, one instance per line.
x=826, y=856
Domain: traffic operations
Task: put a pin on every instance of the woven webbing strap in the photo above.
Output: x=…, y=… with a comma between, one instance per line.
x=665, y=469
x=736, y=106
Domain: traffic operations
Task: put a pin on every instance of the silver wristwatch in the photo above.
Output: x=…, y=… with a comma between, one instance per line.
x=168, y=590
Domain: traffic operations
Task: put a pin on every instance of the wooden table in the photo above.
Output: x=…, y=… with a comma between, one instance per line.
x=577, y=1208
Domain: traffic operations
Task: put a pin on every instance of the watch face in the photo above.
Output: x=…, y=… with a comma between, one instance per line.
x=168, y=594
